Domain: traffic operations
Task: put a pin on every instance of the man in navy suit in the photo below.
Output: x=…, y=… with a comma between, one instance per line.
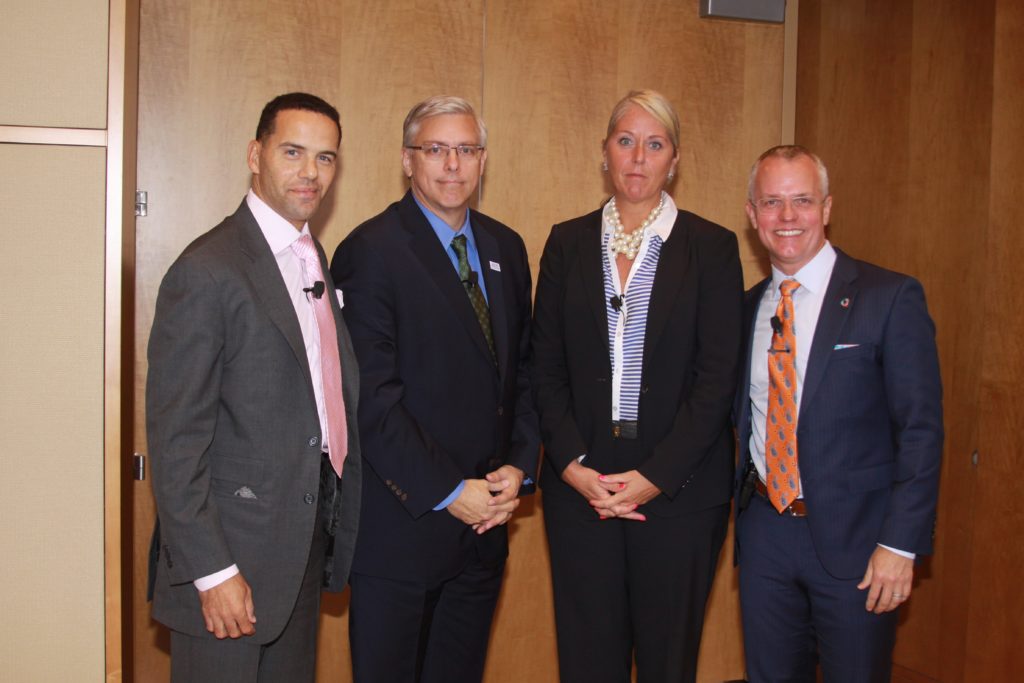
x=823, y=568
x=438, y=301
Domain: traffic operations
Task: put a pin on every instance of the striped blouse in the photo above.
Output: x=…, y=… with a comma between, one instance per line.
x=627, y=327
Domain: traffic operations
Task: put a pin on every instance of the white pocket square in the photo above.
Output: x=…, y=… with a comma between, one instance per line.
x=341, y=299
x=840, y=347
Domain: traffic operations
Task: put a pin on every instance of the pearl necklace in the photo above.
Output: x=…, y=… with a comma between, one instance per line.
x=621, y=243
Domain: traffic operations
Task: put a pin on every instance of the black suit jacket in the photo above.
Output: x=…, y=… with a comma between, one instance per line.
x=691, y=349
x=229, y=404
x=434, y=408
x=869, y=432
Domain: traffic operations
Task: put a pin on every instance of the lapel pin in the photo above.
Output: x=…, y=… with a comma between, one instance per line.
x=845, y=302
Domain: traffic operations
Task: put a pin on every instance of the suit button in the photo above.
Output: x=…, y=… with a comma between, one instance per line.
x=308, y=498
x=405, y=497
x=313, y=441
x=644, y=389
x=388, y=482
x=501, y=410
x=398, y=492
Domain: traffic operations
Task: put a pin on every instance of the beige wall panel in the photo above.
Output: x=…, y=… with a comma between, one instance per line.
x=896, y=97
x=54, y=56
x=996, y=604
x=51, y=413
x=553, y=72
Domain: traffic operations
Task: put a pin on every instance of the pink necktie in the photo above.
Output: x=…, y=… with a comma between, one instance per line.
x=330, y=359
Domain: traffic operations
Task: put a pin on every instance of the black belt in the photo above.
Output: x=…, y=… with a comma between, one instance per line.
x=625, y=429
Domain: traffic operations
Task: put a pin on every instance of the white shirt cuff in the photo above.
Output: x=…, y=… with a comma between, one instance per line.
x=901, y=553
x=205, y=583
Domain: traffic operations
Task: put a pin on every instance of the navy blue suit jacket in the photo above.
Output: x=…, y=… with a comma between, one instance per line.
x=869, y=432
x=434, y=408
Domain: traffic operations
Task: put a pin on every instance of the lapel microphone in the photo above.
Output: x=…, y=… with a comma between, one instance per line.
x=777, y=329
x=317, y=290
x=616, y=302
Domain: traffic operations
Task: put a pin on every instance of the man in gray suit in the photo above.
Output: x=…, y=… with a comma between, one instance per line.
x=252, y=426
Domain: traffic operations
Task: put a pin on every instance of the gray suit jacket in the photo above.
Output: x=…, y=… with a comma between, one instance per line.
x=229, y=404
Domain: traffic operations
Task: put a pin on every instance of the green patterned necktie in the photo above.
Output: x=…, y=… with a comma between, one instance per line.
x=476, y=296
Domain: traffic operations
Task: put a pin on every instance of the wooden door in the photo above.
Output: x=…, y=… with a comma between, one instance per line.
x=995, y=629
x=545, y=76
x=206, y=70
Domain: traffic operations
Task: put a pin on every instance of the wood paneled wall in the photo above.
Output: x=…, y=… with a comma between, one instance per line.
x=545, y=76
x=996, y=632
x=915, y=108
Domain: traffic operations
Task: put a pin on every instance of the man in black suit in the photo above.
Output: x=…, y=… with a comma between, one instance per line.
x=247, y=419
x=838, y=491
x=438, y=301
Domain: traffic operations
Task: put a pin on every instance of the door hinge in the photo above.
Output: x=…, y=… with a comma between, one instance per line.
x=139, y=467
x=141, y=203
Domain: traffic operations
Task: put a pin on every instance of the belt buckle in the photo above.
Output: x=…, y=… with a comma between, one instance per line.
x=616, y=431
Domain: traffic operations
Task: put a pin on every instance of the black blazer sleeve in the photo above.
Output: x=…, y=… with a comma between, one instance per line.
x=563, y=441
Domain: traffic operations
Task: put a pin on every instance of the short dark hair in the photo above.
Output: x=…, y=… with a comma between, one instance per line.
x=294, y=100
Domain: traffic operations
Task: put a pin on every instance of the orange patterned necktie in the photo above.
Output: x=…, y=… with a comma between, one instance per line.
x=782, y=471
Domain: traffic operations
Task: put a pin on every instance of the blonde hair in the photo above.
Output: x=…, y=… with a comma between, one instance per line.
x=655, y=104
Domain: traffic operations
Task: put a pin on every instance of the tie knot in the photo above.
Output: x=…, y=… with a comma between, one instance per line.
x=788, y=287
x=459, y=245
x=304, y=249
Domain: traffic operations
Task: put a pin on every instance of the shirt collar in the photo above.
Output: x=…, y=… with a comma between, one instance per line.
x=444, y=231
x=278, y=232
x=662, y=225
x=815, y=274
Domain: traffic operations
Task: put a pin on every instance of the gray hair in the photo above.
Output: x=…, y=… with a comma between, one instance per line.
x=436, y=106
x=789, y=152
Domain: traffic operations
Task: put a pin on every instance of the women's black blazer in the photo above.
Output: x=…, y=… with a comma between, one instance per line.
x=690, y=359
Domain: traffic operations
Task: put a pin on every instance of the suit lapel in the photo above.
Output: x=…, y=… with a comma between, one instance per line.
x=435, y=261
x=592, y=272
x=266, y=279
x=840, y=297
x=752, y=303
x=668, y=279
x=487, y=246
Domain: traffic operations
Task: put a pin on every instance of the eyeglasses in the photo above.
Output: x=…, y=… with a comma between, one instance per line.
x=436, y=151
x=770, y=205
